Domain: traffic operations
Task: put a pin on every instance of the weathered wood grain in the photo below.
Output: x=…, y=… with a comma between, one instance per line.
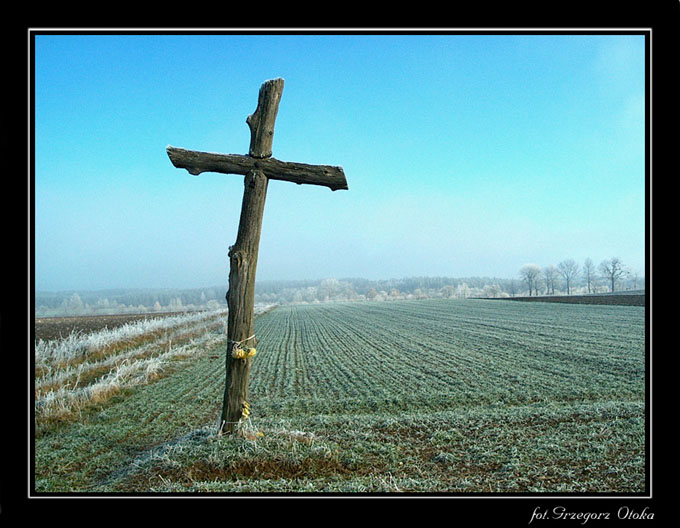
x=261, y=122
x=196, y=162
x=241, y=298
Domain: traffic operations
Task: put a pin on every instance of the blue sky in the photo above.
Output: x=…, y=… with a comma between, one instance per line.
x=465, y=155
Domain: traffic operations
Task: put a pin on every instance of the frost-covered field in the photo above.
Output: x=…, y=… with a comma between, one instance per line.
x=85, y=368
x=441, y=353
x=428, y=396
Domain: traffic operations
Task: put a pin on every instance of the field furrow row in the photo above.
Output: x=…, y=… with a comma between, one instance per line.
x=443, y=350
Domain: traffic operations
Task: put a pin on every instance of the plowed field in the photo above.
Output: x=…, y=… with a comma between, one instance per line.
x=49, y=328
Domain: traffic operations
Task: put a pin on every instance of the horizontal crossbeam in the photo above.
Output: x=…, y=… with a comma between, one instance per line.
x=301, y=173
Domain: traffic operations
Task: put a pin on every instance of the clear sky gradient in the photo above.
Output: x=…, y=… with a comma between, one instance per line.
x=465, y=155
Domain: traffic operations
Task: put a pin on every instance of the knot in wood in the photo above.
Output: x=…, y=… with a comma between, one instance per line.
x=237, y=257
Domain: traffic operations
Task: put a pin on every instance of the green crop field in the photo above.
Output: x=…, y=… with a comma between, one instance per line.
x=428, y=396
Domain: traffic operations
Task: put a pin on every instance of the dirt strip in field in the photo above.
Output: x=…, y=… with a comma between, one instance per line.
x=620, y=299
x=48, y=328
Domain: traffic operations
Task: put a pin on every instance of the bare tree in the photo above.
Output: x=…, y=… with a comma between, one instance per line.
x=589, y=273
x=549, y=275
x=569, y=271
x=613, y=270
x=530, y=274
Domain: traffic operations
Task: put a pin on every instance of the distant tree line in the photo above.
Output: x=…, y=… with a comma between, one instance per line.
x=358, y=289
x=267, y=292
x=127, y=301
x=569, y=278
x=565, y=278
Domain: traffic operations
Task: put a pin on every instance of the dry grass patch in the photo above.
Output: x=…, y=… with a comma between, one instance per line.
x=74, y=376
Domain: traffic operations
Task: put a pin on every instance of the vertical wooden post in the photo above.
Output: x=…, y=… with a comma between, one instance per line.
x=258, y=167
x=243, y=258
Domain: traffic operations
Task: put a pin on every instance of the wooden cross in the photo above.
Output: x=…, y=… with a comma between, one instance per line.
x=258, y=167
